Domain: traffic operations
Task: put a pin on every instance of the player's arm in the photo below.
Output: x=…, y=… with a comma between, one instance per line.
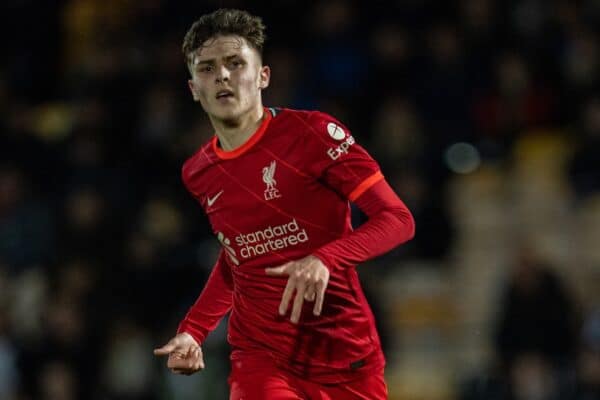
x=389, y=224
x=213, y=303
x=215, y=300
x=348, y=169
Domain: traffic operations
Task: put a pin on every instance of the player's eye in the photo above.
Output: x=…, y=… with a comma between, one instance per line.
x=206, y=68
x=236, y=63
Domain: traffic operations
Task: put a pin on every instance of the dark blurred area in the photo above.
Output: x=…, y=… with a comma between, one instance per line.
x=484, y=116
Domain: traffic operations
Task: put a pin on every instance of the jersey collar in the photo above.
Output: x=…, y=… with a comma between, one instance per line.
x=248, y=144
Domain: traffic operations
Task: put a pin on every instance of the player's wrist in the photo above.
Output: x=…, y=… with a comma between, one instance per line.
x=187, y=330
x=188, y=336
x=325, y=259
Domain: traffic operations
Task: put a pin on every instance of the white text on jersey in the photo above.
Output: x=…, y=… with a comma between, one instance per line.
x=271, y=238
x=335, y=153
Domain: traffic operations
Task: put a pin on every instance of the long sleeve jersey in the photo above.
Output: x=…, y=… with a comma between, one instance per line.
x=283, y=195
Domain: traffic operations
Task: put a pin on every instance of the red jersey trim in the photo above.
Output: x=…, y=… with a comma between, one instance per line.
x=364, y=185
x=227, y=155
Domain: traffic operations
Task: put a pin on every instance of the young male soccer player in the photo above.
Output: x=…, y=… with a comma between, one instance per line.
x=275, y=184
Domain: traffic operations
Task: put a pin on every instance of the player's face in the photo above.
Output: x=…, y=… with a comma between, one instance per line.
x=227, y=77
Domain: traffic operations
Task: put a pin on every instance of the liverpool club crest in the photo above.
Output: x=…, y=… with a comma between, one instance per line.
x=271, y=191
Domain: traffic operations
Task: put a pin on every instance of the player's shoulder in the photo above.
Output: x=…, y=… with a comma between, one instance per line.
x=316, y=123
x=307, y=116
x=198, y=162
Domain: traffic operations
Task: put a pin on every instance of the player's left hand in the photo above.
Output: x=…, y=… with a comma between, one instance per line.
x=308, y=277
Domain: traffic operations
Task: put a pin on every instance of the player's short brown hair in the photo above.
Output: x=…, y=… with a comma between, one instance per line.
x=224, y=22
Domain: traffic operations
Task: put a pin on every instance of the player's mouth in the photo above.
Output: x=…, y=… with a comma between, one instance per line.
x=224, y=94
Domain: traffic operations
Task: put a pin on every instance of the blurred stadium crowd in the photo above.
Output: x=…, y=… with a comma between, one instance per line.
x=484, y=115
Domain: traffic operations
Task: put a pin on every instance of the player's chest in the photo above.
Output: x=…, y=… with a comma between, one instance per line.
x=262, y=189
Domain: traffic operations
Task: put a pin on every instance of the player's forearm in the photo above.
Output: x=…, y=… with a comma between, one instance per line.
x=389, y=224
x=212, y=304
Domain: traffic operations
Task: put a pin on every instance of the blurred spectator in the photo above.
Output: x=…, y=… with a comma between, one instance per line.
x=336, y=59
x=158, y=119
x=57, y=381
x=532, y=377
x=284, y=90
x=391, y=61
x=581, y=59
x=9, y=377
x=397, y=137
x=585, y=164
x=128, y=367
x=429, y=208
x=587, y=379
x=443, y=85
x=86, y=217
x=537, y=319
x=535, y=337
x=26, y=224
x=516, y=103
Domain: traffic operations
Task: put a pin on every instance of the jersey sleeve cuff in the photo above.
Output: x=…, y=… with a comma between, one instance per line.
x=365, y=185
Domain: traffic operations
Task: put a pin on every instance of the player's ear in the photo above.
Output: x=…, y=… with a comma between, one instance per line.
x=193, y=90
x=264, y=77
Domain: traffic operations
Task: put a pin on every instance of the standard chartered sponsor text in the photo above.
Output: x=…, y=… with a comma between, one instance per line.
x=271, y=238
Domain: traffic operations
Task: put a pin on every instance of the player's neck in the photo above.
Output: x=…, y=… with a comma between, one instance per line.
x=233, y=134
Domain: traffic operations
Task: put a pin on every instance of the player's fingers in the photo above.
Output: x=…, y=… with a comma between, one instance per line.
x=278, y=271
x=183, y=363
x=176, y=363
x=195, y=361
x=166, y=349
x=191, y=351
x=198, y=357
x=287, y=295
x=198, y=365
x=309, y=294
x=298, y=301
x=320, y=295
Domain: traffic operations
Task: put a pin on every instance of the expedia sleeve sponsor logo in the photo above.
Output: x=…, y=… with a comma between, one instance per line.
x=272, y=238
x=335, y=131
x=337, y=152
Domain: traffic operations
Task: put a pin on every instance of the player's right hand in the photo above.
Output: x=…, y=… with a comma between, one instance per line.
x=185, y=355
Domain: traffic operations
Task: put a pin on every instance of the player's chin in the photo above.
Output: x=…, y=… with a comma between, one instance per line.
x=225, y=111
x=222, y=109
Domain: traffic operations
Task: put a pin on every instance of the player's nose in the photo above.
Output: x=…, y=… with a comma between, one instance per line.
x=222, y=74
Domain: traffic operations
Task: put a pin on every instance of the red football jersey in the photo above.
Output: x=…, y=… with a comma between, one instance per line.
x=279, y=197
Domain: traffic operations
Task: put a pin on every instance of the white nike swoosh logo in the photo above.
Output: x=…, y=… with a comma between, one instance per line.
x=211, y=201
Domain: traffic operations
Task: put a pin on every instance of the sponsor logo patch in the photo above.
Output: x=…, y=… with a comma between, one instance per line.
x=262, y=241
x=226, y=243
x=272, y=238
x=335, y=131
